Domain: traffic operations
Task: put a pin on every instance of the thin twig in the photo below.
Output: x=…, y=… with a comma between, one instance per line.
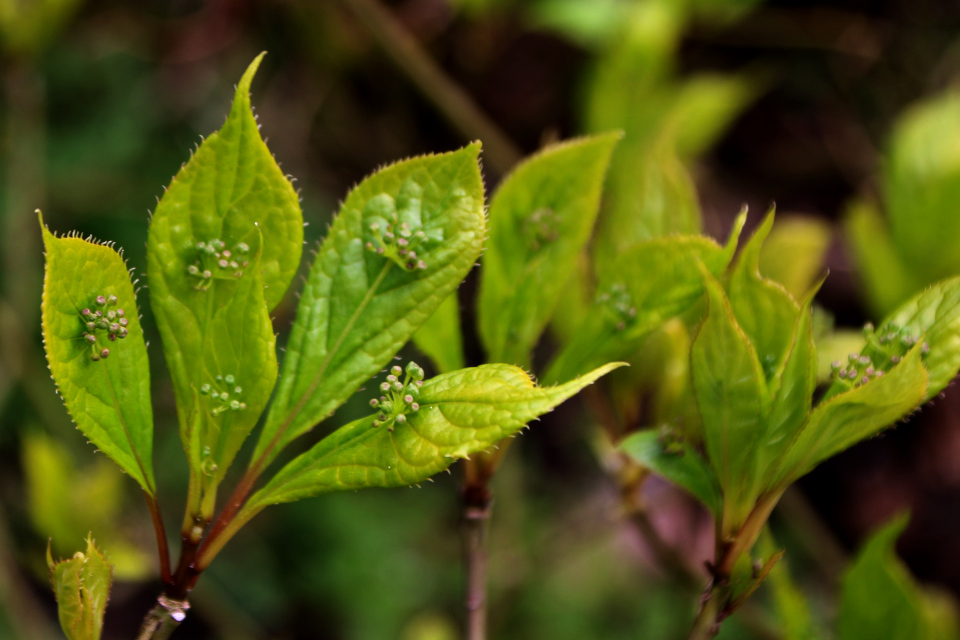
x=477, y=500
x=500, y=153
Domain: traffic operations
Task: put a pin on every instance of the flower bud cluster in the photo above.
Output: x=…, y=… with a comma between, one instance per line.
x=618, y=303
x=102, y=320
x=885, y=349
x=215, y=261
x=224, y=395
x=400, y=241
x=541, y=227
x=399, y=398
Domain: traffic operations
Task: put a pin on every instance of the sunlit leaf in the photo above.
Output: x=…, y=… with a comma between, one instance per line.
x=540, y=220
x=459, y=413
x=104, y=383
x=359, y=306
x=228, y=209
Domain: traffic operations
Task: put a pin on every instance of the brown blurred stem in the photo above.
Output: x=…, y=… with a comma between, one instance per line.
x=456, y=105
x=476, y=503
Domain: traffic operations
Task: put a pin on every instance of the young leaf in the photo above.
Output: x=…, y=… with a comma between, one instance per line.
x=704, y=107
x=880, y=599
x=540, y=220
x=105, y=383
x=729, y=385
x=229, y=202
x=683, y=467
x=934, y=317
x=648, y=285
x=239, y=370
x=763, y=308
x=81, y=585
x=460, y=413
x=363, y=299
x=852, y=416
x=439, y=337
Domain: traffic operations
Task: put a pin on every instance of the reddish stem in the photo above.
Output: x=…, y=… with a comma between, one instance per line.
x=161, y=533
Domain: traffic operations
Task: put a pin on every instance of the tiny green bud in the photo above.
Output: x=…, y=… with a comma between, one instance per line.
x=243, y=247
x=235, y=405
x=397, y=386
x=89, y=337
x=401, y=418
x=123, y=332
x=224, y=396
x=395, y=371
x=101, y=300
x=238, y=390
x=104, y=353
x=193, y=270
x=374, y=403
x=112, y=299
x=111, y=315
x=415, y=407
x=95, y=357
x=91, y=326
x=123, y=322
x=205, y=389
x=408, y=398
x=207, y=274
x=114, y=327
x=391, y=378
x=229, y=379
x=385, y=387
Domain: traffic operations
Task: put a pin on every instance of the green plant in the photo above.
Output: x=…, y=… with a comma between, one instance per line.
x=224, y=244
x=753, y=370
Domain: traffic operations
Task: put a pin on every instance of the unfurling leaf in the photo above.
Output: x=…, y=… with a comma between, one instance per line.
x=679, y=463
x=540, y=220
x=730, y=388
x=794, y=251
x=404, y=240
x=81, y=585
x=96, y=351
x=457, y=414
x=228, y=210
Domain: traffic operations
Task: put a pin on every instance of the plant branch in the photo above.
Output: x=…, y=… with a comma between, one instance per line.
x=166, y=616
x=452, y=101
x=477, y=501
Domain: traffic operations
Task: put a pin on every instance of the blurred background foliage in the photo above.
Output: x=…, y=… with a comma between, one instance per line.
x=845, y=113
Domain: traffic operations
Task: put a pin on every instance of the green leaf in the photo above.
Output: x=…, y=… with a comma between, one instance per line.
x=359, y=307
x=460, y=413
x=540, y=220
x=763, y=308
x=923, y=186
x=684, y=467
x=934, y=315
x=852, y=416
x=108, y=399
x=231, y=196
x=880, y=599
x=648, y=285
x=886, y=280
x=794, y=251
x=439, y=337
x=729, y=386
x=81, y=585
x=240, y=368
